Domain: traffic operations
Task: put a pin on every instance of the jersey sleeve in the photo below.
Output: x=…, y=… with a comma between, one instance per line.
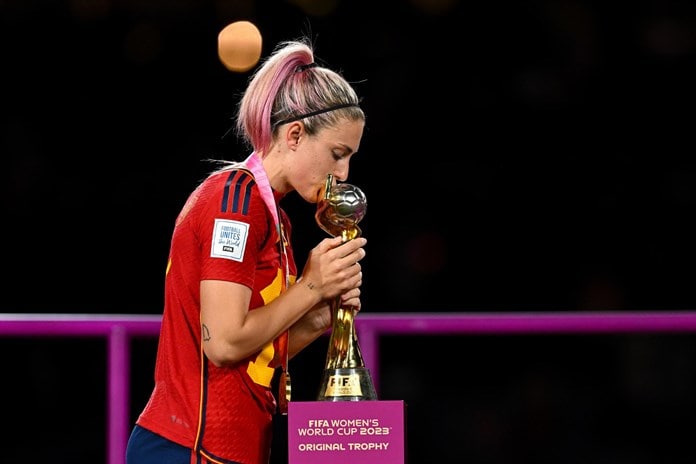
x=233, y=229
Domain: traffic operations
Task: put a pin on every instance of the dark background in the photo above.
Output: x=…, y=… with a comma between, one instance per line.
x=518, y=156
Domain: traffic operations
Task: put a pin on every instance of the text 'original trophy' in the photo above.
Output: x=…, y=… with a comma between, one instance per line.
x=345, y=377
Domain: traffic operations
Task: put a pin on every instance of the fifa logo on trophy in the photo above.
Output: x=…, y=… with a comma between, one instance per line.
x=345, y=377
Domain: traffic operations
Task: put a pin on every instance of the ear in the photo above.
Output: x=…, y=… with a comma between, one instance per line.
x=293, y=133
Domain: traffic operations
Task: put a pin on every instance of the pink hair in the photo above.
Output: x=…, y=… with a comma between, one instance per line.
x=285, y=87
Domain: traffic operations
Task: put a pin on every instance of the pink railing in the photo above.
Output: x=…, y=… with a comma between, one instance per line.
x=118, y=329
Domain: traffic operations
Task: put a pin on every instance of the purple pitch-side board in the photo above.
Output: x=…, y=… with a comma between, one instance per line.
x=346, y=432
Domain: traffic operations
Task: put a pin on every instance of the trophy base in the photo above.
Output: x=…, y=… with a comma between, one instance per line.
x=347, y=384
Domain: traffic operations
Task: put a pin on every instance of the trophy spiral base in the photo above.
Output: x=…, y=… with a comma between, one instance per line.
x=347, y=384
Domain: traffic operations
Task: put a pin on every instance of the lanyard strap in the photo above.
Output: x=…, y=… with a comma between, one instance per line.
x=253, y=163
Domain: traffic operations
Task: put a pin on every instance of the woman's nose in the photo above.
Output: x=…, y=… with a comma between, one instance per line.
x=341, y=173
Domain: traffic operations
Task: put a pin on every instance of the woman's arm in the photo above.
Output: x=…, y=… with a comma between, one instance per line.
x=231, y=332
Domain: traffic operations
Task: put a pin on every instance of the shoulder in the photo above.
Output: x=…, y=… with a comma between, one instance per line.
x=229, y=193
x=232, y=191
x=237, y=188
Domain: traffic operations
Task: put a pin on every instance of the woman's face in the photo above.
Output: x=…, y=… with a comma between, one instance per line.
x=329, y=151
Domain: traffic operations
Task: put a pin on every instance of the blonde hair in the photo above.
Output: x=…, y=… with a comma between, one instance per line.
x=290, y=86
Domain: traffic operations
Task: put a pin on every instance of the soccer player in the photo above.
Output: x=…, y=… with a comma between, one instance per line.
x=234, y=309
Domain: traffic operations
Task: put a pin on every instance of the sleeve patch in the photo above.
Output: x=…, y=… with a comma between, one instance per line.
x=229, y=239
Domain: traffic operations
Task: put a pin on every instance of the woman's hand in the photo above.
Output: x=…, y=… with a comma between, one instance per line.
x=333, y=269
x=351, y=299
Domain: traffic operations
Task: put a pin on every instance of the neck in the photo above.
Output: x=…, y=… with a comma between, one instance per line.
x=274, y=171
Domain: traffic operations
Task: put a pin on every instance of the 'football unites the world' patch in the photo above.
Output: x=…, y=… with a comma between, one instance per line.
x=229, y=239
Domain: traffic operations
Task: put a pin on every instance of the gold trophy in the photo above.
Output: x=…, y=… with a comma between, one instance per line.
x=345, y=377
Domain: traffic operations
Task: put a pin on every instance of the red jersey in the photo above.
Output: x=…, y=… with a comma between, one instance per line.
x=225, y=231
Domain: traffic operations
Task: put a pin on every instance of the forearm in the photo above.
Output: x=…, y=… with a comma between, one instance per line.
x=310, y=327
x=232, y=335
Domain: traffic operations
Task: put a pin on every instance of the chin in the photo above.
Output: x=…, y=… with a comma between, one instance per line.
x=311, y=198
x=318, y=195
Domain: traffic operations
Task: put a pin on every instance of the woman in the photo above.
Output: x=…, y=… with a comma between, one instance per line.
x=234, y=312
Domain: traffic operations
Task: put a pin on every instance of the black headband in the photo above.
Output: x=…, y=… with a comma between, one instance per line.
x=302, y=116
x=314, y=113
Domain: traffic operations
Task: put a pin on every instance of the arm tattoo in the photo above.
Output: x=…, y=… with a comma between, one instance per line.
x=310, y=285
x=205, y=333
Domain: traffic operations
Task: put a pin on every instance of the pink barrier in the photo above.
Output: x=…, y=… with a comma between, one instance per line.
x=120, y=328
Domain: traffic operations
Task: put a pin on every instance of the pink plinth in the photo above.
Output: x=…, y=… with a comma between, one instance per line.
x=346, y=432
